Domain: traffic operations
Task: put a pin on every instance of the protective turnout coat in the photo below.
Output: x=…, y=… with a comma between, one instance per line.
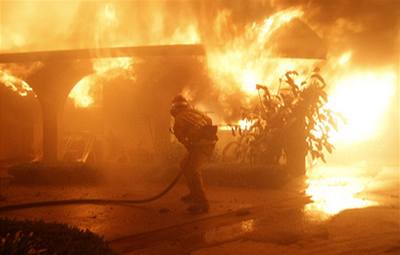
x=194, y=129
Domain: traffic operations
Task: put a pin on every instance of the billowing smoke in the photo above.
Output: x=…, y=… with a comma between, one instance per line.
x=370, y=26
x=43, y=25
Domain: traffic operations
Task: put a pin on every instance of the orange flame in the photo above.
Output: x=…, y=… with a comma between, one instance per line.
x=83, y=92
x=362, y=97
x=246, y=61
x=185, y=35
x=109, y=14
x=345, y=58
x=108, y=65
x=243, y=124
x=15, y=84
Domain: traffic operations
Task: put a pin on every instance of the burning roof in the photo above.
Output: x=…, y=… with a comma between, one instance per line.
x=240, y=40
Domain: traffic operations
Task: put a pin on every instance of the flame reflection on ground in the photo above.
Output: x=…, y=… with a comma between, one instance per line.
x=334, y=189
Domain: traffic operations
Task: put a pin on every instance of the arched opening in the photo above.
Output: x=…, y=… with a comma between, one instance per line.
x=85, y=124
x=20, y=122
x=126, y=108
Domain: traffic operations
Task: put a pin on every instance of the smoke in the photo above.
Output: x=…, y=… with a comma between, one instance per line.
x=48, y=25
x=368, y=27
x=35, y=25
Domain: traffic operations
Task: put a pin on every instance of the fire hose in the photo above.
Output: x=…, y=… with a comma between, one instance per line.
x=97, y=201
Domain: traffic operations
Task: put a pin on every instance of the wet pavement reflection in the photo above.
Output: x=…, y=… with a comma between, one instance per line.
x=281, y=223
x=284, y=217
x=329, y=191
x=224, y=233
x=334, y=189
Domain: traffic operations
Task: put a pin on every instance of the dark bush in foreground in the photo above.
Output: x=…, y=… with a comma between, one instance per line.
x=61, y=173
x=37, y=237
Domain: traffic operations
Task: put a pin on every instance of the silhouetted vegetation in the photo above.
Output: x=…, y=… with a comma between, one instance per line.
x=38, y=237
x=294, y=117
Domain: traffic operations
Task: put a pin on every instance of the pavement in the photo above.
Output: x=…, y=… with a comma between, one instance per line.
x=242, y=220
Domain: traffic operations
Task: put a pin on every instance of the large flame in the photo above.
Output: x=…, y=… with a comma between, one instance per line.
x=245, y=60
x=185, y=35
x=235, y=64
x=14, y=83
x=83, y=93
x=362, y=97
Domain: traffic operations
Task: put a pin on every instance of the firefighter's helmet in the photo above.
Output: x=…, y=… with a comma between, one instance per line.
x=179, y=103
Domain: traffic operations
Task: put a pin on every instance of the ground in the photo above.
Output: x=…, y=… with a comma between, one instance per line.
x=242, y=220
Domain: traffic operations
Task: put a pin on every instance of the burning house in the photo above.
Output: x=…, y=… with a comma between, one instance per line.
x=155, y=73
x=288, y=85
x=94, y=118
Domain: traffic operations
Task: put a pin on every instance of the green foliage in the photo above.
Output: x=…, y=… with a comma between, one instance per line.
x=295, y=117
x=37, y=237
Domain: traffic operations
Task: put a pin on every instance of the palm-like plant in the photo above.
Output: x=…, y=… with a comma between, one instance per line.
x=297, y=114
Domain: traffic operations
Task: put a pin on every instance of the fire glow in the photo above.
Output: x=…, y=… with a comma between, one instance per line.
x=362, y=96
x=15, y=84
x=246, y=61
x=83, y=92
x=332, y=193
x=107, y=20
x=363, y=99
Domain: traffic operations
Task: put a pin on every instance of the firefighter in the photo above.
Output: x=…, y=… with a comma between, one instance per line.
x=195, y=131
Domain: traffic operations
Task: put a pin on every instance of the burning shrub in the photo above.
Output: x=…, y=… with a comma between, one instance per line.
x=293, y=121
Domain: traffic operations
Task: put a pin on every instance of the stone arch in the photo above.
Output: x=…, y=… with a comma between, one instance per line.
x=20, y=126
x=52, y=84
